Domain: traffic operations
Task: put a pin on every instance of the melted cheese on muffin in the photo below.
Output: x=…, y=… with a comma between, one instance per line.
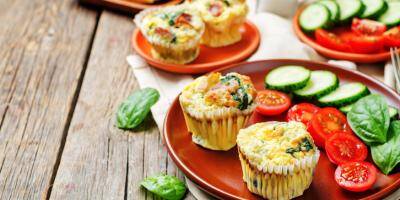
x=215, y=91
x=172, y=25
x=214, y=10
x=277, y=143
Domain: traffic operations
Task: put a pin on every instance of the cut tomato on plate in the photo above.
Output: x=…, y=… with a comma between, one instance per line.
x=343, y=147
x=356, y=176
x=272, y=102
x=302, y=112
x=325, y=123
x=331, y=40
x=366, y=44
x=392, y=37
x=367, y=27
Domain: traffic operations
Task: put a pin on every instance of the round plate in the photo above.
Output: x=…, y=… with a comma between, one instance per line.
x=360, y=58
x=136, y=6
x=209, y=58
x=220, y=174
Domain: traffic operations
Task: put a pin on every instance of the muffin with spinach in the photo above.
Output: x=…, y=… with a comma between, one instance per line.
x=223, y=20
x=278, y=158
x=174, y=33
x=216, y=107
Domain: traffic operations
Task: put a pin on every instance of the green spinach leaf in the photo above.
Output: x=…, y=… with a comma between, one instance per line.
x=165, y=186
x=135, y=108
x=386, y=156
x=369, y=119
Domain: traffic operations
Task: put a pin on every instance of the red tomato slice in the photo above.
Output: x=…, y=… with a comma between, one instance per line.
x=367, y=27
x=392, y=37
x=325, y=123
x=302, y=112
x=356, y=176
x=366, y=44
x=331, y=40
x=271, y=102
x=342, y=148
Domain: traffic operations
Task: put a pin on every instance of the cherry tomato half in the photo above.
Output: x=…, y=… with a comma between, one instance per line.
x=331, y=41
x=356, y=176
x=342, y=148
x=272, y=102
x=302, y=112
x=392, y=37
x=367, y=27
x=365, y=44
x=325, y=123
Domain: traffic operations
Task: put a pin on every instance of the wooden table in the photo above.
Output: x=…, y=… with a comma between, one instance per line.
x=62, y=75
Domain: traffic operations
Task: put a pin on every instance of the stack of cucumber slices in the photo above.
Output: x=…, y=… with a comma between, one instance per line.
x=325, y=13
x=320, y=86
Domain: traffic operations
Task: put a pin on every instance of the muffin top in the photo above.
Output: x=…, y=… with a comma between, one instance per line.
x=214, y=91
x=212, y=10
x=172, y=25
x=275, y=143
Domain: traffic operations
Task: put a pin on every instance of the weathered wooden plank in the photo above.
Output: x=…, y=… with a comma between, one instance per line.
x=94, y=162
x=43, y=47
x=99, y=160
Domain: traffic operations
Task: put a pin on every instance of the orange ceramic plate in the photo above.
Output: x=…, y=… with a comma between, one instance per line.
x=209, y=58
x=360, y=58
x=130, y=5
x=220, y=174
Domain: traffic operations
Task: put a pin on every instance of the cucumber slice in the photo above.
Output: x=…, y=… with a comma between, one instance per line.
x=320, y=83
x=346, y=109
x=313, y=17
x=287, y=78
x=344, y=94
x=349, y=9
x=373, y=8
x=391, y=17
x=333, y=8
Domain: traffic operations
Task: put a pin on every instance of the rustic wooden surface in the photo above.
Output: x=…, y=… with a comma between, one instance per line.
x=62, y=75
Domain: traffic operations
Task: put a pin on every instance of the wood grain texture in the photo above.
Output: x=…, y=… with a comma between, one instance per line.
x=43, y=47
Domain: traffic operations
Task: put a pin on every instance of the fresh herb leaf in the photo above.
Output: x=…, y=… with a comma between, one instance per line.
x=226, y=79
x=305, y=145
x=386, y=156
x=135, y=108
x=165, y=186
x=369, y=119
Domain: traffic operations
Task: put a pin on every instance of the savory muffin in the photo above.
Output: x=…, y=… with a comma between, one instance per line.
x=277, y=158
x=174, y=33
x=216, y=107
x=223, y=19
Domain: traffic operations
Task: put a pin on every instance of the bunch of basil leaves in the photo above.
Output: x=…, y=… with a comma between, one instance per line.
x=132, y=112
x=369, y=118
x=165, y=186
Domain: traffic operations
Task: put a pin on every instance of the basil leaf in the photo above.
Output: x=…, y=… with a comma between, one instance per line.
x=135, y=108
x=369, y=119
x=165, y=186
x=387, y=156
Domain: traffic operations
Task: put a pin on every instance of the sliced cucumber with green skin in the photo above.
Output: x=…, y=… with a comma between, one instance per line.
x=391, y=17
x=344, y=94
x=313, y=17
x=287, y=78
x=320, y=83
x=333, y=8
x=349, y=9
x=373, y=8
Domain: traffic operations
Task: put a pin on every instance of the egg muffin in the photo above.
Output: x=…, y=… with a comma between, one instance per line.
x=223, y=20
x=216, y=107
x=278, y=158
x=174, y=33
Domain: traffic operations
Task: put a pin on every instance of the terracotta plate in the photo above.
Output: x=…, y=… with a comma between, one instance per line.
x=309, y=40
x=130, y=5
x=219, y=173
x=209, y=58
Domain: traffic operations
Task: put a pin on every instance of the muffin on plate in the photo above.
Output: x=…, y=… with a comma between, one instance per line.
x=278, y=158
x=174, y=33
x=223, y=19
x=216, y=107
